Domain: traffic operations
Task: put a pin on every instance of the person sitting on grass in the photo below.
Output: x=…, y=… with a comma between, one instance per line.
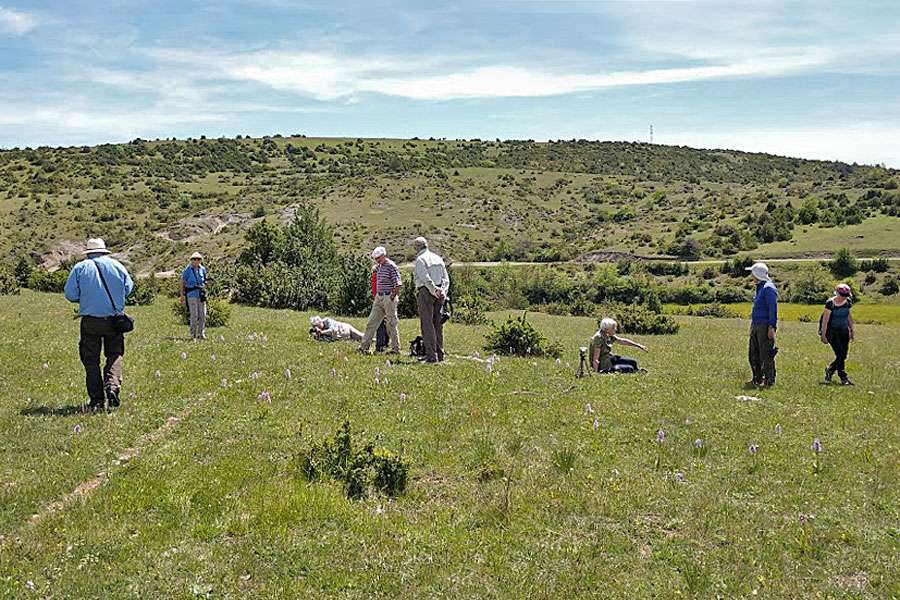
x=602, y=358
x=837, y=329
x=331, y=330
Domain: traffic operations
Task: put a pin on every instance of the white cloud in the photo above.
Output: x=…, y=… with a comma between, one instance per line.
x=16, y=22
x=331, y=77
x=864, y=143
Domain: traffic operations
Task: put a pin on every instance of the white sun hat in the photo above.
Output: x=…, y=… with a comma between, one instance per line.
x=379, y=251
x=759, y=270
x=96, y=246
x=196, y=255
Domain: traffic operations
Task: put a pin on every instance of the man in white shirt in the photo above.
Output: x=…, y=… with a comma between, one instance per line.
x=432, y=284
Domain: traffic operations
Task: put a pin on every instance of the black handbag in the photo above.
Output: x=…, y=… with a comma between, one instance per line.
x=121, y=323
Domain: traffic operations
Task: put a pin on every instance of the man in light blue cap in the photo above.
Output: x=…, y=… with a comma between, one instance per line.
x=100, y=284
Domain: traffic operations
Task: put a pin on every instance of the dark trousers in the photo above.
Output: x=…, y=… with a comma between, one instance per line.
x=622, y=363
x=762, y=354
x=840, y=343
x=97, y=334
x=381, y=338
x=430, y=321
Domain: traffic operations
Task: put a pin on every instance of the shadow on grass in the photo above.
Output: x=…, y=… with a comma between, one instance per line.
x=59, y=411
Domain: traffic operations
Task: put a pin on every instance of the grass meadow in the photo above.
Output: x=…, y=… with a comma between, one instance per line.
x=516, y=489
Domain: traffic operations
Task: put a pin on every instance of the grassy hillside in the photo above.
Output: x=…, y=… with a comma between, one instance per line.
x=202, y=496
x=477, y=200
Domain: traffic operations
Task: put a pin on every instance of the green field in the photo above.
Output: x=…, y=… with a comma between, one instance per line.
x=878, y=314
x=211, y=503
x=870, y=238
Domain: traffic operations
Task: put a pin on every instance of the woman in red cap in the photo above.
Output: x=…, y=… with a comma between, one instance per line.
x=837, y=329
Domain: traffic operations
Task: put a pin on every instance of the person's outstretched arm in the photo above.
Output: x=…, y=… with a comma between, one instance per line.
x=632, y=343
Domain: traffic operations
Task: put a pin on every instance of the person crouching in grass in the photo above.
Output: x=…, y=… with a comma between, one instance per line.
x=602, y=358
x=332, y=330
x=837, y=329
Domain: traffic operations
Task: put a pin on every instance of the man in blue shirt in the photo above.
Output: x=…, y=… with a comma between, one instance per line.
x=193, y=287
x=85, y=287
x=763, y=323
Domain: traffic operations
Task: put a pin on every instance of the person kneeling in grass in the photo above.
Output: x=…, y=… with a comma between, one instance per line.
x=837, y=329
x=330, y=330
x=602, y=358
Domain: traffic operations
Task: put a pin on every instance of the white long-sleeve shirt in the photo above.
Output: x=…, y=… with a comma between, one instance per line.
x=431, y=272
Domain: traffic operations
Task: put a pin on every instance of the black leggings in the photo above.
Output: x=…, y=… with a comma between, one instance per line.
x=622, y=364
x=840, y=343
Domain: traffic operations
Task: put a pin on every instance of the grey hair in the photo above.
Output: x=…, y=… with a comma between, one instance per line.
x=608, y=324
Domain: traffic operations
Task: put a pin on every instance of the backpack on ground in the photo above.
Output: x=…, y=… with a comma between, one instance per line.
x=417, y=347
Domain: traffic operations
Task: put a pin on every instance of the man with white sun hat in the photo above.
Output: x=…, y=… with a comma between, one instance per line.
x=100, y=284
x=193, y=289
x=763, y=324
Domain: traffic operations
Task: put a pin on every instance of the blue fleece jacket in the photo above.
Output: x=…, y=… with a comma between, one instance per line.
x=765, y=305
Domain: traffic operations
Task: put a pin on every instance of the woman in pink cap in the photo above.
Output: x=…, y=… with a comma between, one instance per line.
x=836, y=328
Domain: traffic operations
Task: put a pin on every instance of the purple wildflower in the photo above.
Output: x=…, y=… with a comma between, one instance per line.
x=402, y=397
x=816, y=446
x=753, y=449
x=660, y=436
x=265, y=396
x=157, y=374
x=698, y=443
x=287, y=373
x=45, y=366
x=333, y=372
x=77, y=429
x=778, y=428
x=184, y=355
x=224, y=383
x=588, y=409
x=596, y=423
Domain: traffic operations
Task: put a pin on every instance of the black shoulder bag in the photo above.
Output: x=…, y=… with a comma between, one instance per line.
x=121, y=323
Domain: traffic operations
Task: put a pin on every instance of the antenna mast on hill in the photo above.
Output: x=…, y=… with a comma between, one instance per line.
x=651, y=133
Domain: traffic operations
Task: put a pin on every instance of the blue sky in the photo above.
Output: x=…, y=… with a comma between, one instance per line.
x=811, y=79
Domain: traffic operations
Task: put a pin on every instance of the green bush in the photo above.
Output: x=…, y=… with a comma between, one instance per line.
x=812, y=286
x=731, y=295
x=23, y=271
x=356, y=466
x=517, y=337
x=714, y=310
x=890, y=286
x=638, y=319
x=469, y=310
x=737, y=267
x=218, y=312
x=844, y=264
x=42, y=280
x=878, y=265
x=145, y=291
x=9, y=284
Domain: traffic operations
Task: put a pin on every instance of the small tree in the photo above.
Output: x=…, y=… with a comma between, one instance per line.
x=811, y=286
x=844, y=264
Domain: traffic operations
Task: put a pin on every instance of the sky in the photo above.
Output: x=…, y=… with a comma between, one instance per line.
x=807, y=79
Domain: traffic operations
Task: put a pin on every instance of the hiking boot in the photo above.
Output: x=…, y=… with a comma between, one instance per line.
x=112, y=398
x=829, y=373
x=96, y=406
x=845, y=380
x=749, y=385
x=766, y=383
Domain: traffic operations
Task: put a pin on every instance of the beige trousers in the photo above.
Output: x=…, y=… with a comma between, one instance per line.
x=384, y=308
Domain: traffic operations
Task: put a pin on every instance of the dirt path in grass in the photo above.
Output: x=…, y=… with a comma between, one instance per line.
x=84, y=489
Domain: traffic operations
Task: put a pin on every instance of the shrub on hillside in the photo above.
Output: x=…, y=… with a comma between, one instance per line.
x=9, y=284
x=358, y=467
x=687, y=294
x=736, y=267
x=23, y=270
x=298, y=266
x=517, y=337
x=727, y=294
x=878, y=265
x=890, y=286
x=714, y=310
x=812, y=286
x=844, y=263
x=638, y=319
x=145, y=291
x=218, y=312
x=42, y=280
x=469, y=310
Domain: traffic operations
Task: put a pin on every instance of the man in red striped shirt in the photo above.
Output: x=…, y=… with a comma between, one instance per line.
x=384, y=306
